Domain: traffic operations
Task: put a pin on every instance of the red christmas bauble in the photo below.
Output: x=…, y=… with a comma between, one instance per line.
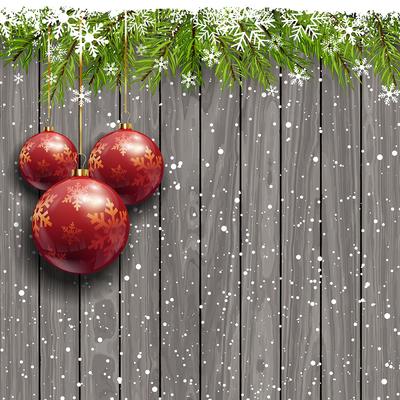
x=80, y=225
x=130, y=162
x=47, y=158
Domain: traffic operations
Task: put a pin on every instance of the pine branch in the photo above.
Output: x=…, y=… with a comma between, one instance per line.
x=260, y=63
x=96, y=69
x=24, y=48
x=386, y=51
x=224, y=49
x=165, y=49
x=64, y=65
x=180, y=39
x=282, y=49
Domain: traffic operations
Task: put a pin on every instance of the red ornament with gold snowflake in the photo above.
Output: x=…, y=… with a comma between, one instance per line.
x=128, y=161
x=80, y=225
x=47, y=158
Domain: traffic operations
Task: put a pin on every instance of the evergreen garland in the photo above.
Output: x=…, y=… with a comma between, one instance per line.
x=237, y=43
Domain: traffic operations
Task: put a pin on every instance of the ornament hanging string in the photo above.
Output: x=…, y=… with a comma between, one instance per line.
x=49, y=107
x=80, y=102
x=126, y=113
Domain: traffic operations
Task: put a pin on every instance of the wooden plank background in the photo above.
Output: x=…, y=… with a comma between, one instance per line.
x=265, y=267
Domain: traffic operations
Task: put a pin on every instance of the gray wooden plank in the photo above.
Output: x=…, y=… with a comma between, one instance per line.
x=180, y=241
x=220, y=274
x=300, y=239
x=341, y=239
x=59, y=296
x=260, y=242
x=100, y=291
x=380, y=245
x=19, y=267
x=139, y=274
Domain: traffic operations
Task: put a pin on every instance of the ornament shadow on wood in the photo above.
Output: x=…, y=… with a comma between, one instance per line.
x=47, y=158
x=80, y=225
x=128, y=161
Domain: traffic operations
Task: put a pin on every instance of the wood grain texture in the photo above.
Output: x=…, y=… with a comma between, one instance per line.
x=220, y=241
x=100, y=291
x=59, y=297
x=300, y=238
x=215, y=144
x=260, y=242
x=139, y=274
x=180, y=242
x=341, y=239
x=380, y=245
x=19, y=262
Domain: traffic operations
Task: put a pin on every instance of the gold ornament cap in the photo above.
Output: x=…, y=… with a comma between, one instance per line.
x=49, y=129
x=80, y=172
x=125, y=125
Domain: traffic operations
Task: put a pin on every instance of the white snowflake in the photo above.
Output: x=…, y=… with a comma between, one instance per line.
x=18, y=78
x=230, y=21
x=211, y=57
x=351, y=29
x=330, y=46
x=91, y=38
x=274, y=43
x=60, y=20
x=56, y=53
x=160, y=64
x=140, y=21
x=298, y=77
x=389, y=94
x=362, y=67
x=81, y=96
x=189, y=79
x=52, y=79
x=111, y=69
x=303, y=24
x=272, y=91
x=177, y=16
x=140, y=49
x=205, y=23
x=256, y=37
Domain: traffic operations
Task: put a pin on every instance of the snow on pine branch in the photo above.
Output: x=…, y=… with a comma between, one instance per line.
x=236, y=43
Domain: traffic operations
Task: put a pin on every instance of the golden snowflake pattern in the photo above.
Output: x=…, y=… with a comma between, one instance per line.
x=46, y=142
x=42, y=166
x=76, y=195
x=95, y=161
x=64, y=158
x=118, y=173
x=148, y=161
x=71, y=233
x=110, y=225
x=122, y=144
x=41, y=217
x=24, y=155
x=152, y=164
